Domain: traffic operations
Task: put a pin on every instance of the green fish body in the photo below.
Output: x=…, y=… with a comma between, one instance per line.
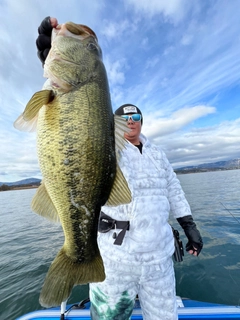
x=77, y=158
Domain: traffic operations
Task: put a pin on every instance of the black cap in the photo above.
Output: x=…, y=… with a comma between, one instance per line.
x=128, y=108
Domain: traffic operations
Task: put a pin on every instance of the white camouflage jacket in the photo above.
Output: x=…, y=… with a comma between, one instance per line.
x=156, y=192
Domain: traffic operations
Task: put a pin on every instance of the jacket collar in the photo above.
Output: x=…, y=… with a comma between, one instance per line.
x=144, y=140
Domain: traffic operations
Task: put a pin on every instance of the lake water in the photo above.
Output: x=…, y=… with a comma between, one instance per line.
x=28, y=244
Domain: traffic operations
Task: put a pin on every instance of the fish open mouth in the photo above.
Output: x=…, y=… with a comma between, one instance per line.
x=80, y=29
x=70, y=29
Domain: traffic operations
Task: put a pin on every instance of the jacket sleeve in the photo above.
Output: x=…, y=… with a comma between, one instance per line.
x=178, y=203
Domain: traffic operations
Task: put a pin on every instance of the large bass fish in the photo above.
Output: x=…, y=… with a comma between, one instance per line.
x=76, y=151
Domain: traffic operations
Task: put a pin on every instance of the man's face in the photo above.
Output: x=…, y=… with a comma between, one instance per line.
x=135, y=127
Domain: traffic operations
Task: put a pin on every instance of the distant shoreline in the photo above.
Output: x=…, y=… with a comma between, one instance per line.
x=20, y=188
x=197, y=170
x=17, y=187
x=5, y=187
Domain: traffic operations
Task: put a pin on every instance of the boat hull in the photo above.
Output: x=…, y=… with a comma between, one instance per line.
x=188, y=310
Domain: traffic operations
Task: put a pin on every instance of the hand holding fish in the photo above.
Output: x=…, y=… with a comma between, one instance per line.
x=54, y=22
x=43, y=41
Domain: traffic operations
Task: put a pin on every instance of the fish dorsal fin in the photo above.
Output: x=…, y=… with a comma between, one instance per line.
x=42, y=204
x=27, y=121
x=121, y=127
x=120, y=193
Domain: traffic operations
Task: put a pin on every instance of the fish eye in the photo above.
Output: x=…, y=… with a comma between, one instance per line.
x=92, y=46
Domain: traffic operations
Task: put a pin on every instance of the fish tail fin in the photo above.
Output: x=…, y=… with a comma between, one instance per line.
x=64, y=273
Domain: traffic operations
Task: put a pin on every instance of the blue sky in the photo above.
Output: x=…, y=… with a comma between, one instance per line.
x=177, y=60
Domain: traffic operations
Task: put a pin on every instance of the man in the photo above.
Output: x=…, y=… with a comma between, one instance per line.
x=135, y=240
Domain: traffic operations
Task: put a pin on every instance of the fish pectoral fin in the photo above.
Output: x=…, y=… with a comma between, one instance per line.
x=120, y=193
x=39, y=99
x=27, y=121
x=26, y=126
x=42, y=204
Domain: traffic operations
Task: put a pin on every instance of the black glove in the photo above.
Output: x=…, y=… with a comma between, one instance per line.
x=195, y=242
x=43, y=41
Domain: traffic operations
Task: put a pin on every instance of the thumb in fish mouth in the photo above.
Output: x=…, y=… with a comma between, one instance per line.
x=54, y=22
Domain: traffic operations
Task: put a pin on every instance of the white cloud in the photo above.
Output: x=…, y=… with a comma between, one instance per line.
x=202, y=145
x=113, y=30
x=151, y=63
x=156, y=127
x=115, y=70
x=186, y=39
x=19, y=154
x=173, y=10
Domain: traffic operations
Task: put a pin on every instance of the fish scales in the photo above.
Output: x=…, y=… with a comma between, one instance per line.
x=76, y=132
x=74, y=160
x=76, y=152
x=83, y=177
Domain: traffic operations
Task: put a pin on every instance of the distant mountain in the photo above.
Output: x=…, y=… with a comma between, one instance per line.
x=21, y=182
x=213, y=166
